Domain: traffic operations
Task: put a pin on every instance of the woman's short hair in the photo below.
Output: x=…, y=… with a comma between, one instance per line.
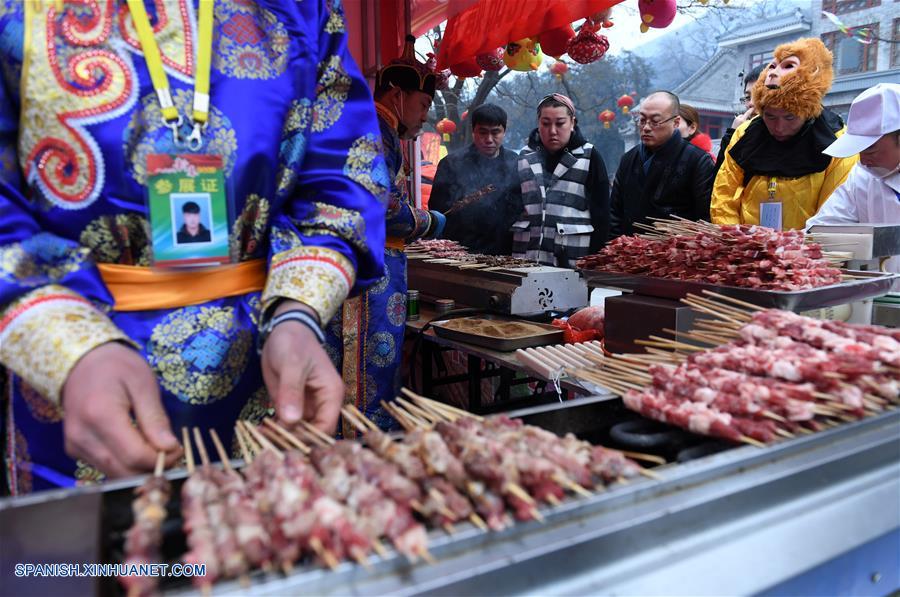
x=689, y=114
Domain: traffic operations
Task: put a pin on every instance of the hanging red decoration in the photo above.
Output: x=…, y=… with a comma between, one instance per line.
x=606, y=116
x=625, y=102
x=445, y=127
x=470, y=68
x=465, y=114
x=556, y=41
x=491, y=60
x=656, y=13
x=588, y=46
x=559, y=69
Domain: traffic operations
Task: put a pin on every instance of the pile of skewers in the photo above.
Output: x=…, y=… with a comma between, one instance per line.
x=755, y=375
x=739, y=255
x=304, y=496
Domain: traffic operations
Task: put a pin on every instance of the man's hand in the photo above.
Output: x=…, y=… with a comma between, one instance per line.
x=299, y=375
x=102, y=390
x=742, y=118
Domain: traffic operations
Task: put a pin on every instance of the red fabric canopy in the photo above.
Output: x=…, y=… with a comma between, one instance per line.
x=493, y=23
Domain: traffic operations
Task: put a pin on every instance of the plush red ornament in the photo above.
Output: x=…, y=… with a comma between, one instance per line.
x=491, y=60
x=469, y=68
x=588, y=46
x=556, y=41
x=656, y=13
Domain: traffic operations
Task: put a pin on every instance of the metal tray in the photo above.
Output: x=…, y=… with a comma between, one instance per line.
x=874, y=284
x=552, y=335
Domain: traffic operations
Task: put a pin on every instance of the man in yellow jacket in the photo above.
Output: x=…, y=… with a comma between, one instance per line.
x=775, y=173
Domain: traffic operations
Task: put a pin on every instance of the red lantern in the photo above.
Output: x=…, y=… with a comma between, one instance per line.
x=465, y=114
x=606, y=116
x=445, y=127
x=625, y=102
x=559, y=69
x=556, y=41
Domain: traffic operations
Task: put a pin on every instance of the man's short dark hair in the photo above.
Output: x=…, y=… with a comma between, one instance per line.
x=673, y=99
x=488, y=115
x=190, y=208
x=754, y=73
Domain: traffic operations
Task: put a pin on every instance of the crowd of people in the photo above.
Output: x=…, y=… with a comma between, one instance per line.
x=106, y=353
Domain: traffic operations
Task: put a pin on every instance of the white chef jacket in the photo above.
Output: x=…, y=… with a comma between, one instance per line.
x=863, y=199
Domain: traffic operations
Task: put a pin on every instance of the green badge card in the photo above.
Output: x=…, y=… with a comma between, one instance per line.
x=188, y=209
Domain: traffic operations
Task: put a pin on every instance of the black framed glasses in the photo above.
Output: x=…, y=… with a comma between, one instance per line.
x=654, y=124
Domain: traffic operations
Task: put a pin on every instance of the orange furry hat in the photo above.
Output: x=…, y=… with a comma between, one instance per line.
x=801, y=90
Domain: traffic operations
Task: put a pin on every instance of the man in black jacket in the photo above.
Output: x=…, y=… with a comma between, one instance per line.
x=476, y=187
x=664, y=175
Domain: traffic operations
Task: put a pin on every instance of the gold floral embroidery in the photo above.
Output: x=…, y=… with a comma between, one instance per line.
x=293, y=143
x=343, y=223
x=21, y=483
x=199, y=353
x=146, y=133
x=44, y=333
x=86, y=474
x=173, y=34
x=332, y=90
x=320, y=277
x=366, y=166
x=249, y=230
x=335, y=22
x=40, y=259
x=350, y=319
x=120, y=238
x=252, y=43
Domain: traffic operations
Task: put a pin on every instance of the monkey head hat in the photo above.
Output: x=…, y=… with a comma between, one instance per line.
x=797, y=79
x=407, y=73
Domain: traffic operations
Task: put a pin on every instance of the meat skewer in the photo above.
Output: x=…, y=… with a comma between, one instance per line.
x=198, y=525
x=144, y=539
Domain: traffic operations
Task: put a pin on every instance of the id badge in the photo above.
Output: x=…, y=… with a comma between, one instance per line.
x=770, y=215
x=188, y=209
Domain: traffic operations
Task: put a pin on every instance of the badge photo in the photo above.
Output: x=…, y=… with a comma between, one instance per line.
x=188, y=210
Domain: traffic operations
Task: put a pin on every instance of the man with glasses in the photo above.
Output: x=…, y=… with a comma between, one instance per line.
x=476, y=187
x=664, y=175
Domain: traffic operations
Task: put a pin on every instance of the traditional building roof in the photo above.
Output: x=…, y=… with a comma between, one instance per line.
x=787, y=23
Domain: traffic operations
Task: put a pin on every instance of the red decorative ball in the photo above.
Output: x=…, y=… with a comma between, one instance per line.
x=587, y=46
x=556, y=41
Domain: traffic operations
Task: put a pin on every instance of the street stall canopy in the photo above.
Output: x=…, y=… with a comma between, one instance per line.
x=488, y=24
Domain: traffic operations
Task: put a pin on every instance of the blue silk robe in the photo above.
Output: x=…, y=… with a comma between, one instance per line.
x=366, y=342
x=294, y=120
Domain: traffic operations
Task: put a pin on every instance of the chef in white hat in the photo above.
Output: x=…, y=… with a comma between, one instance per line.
x=871, y=193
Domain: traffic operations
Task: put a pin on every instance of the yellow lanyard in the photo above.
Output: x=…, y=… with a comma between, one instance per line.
x=772, y=189
x=160, y=80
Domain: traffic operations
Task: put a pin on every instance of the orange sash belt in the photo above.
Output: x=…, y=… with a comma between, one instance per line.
x=137, y=288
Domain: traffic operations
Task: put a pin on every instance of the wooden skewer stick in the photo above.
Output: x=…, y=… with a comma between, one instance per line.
x=360, y=557
x=316, y=544
x=784, y=432
x=773, y=416
x=738, y=313
x=220, y=449
x=420, y=413
x=420, y=422
x=458, y=411
x=722, y=297
x=520, y=493
x=649, y=474
x=160, y=464
x=261, y=439
x=426, y=555
x=188, y=450
x=275, y=439
x=571, y=485
x=286, y=435
x=201, y=447
x=244, y=444
x=645, y=457
x=317, y=432
x=350, y=418
x=401, y=416
x=478, y=521
x=698, y=307
x=752, y=442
